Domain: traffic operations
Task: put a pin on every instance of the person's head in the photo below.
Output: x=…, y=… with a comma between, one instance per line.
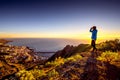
x=94, y=27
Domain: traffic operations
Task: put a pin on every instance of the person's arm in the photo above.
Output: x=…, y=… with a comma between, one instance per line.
x=91, y=29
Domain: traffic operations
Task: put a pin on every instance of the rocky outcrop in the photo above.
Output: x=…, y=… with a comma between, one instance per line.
x=70, y=50
x=66, y=52
x=15, y=58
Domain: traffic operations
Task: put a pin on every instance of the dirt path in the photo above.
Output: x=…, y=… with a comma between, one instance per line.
x=91, y=70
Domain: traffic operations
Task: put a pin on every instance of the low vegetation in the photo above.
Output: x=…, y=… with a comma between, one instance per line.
x=78, y=63
x=48, y=70
x=111, y=45
x=109, y=57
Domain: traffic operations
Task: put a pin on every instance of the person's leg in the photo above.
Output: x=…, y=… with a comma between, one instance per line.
x=93, y=45
x=92, y=42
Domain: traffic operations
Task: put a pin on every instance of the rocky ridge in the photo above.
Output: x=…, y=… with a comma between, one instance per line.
x=16, y=58
x=71, y=63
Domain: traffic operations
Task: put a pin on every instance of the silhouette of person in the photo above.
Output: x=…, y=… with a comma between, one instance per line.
x=94, y=31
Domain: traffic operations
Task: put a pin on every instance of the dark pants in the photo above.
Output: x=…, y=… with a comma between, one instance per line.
x=93, y=45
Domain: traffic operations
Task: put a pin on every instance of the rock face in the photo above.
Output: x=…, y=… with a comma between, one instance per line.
x=66, y=52
x=70, y=50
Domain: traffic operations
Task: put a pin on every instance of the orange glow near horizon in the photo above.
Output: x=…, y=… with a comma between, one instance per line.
x=78, y=36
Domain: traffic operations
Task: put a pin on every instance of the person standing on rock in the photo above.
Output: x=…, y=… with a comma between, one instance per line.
x=94, y=31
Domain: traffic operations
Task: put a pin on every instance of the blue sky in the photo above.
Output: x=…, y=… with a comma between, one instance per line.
x=58, y=18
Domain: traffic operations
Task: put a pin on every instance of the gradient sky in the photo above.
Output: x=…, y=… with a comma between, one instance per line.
x=59, y=18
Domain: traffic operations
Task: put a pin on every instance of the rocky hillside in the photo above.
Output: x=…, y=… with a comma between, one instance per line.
x=91, y=66
x=71, y=63
x=16, y=58
x=70, y=50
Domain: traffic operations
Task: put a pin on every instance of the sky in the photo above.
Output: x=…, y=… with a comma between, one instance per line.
x=59, y=18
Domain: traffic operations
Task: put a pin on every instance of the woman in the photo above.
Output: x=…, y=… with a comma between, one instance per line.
x=93, y=30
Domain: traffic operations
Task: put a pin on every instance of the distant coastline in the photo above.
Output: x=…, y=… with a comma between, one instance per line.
x=44, y=44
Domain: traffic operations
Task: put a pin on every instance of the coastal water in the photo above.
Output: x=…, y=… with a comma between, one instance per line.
x=44, y=44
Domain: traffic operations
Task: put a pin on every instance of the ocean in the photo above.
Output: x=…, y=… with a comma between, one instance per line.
x=44, y=44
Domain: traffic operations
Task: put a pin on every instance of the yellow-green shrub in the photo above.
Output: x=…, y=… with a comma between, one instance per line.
x=53, y=73
x=30, y=75
x=109, y=57
x=74, y=58
x=58, y=61
x=25, y=75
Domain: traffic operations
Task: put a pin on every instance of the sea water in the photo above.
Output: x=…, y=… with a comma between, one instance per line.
x=44, y=44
